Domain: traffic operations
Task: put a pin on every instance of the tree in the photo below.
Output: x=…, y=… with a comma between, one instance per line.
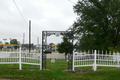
x=65, y=47
x=1, y=42
x=14, y=41
x=98, y=24
x=1, y=46
x=6, y=43
x=50, y=45
x=26, y=45
x=32, y=46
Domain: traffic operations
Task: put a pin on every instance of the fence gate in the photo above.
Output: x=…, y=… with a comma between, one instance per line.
x=67, y=34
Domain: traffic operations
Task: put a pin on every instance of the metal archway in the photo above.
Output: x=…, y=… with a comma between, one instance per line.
x=67, y=34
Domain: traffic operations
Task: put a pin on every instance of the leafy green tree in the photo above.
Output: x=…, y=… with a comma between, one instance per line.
x=1, y=46
x=98, y=24
x=50, y=45
x=32, y=46
x=6, y=43
x=1, y=42
x=26, y=45
x=65, y=47
x=14, y=41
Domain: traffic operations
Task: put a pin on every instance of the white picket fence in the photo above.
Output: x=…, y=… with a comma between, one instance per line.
x=19, y=57
x=95, y=59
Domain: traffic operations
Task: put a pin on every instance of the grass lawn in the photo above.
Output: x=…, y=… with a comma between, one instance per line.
x=55, y=72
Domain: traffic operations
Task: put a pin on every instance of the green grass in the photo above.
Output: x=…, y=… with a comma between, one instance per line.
x=55, y=72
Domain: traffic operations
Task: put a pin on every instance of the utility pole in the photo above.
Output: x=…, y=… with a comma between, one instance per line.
x=29, y=36
x=23, y=40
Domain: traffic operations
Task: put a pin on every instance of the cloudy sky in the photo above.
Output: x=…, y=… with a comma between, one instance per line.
x=51, y=15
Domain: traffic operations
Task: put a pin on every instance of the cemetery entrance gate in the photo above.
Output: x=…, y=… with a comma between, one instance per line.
x=66, y=34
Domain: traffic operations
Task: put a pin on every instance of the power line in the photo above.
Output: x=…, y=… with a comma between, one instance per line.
x=71, y=1
x=22, y=15
x=20, y=12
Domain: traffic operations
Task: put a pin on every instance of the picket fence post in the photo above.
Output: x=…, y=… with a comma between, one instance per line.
x=118, y=59
x=56, y=56
x=73, y=62
x=20, y=66
x=94, y=65
x=41, y=60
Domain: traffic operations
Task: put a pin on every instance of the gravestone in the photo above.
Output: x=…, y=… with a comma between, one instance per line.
x=52, y=60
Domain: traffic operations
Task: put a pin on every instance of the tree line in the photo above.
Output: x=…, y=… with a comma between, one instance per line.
x=14, y=41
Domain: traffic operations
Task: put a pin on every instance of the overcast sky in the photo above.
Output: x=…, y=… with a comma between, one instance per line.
x=51, y=15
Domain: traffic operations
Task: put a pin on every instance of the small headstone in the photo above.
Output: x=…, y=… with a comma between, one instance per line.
x=67, y=60
x=52, y=60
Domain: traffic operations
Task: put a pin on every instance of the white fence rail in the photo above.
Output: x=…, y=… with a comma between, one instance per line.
x=19, y=57
x=96, y=59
